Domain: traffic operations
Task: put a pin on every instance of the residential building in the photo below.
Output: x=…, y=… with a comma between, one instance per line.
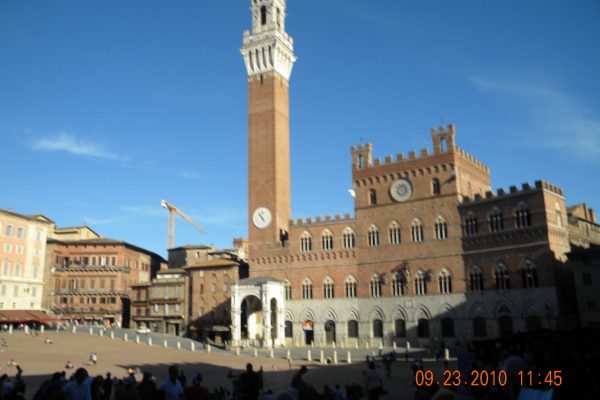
x=22, y=253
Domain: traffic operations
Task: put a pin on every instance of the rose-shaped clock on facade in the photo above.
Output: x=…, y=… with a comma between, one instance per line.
x=401, y=190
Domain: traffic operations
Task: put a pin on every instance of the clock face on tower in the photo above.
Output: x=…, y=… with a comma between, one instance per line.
x=261, y=217
x=401, y=190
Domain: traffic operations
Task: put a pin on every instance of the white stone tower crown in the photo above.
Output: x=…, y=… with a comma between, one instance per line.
x=268, y=48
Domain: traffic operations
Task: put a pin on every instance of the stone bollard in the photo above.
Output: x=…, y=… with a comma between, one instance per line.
x=356, y=344
x=446, y=354
x=312, y=343
x=192, y=347
x=57, y=328
x=149, y=341
x=349, y=357
x=333, y=345
x=394, y=345
x=335, y=360
x=381, y=345
x=91, y=331
x=288, y=355
x=255, y=352
x=271, y=353
x=137, y=339
x=321, y=357
x=178, y=345
x=101, y=332
x=165, y=343
x=125, y=337
x=42, y=328
x=10, y=328
x=208, y=348
x=308, y=355
x=74, y=329
x=112, y=334
x=237, y=351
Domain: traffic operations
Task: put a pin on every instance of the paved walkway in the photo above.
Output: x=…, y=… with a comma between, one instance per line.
x=39, y=360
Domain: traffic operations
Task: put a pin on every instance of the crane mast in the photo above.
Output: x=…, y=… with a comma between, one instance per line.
x=172, y=211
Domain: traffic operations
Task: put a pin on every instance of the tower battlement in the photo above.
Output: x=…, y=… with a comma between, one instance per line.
x=514, y=191
x=319, y=220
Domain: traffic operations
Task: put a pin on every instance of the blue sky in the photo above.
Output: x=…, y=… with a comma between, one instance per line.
x=108, y=107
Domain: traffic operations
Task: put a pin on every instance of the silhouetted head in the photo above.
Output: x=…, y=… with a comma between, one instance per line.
x=249, y=367
x=173, y=372
x=80, y=375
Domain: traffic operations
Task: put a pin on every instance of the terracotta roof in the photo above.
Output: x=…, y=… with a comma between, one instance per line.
x=29, y=217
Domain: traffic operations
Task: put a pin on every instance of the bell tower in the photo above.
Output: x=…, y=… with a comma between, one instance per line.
x=269, y=56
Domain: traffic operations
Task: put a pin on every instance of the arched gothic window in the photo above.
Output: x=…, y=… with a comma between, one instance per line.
x=350, y=287
x=420, y=284
x=307, y=287
x=476, y=280
x=287, y=287
x=445, y=282
x=502, y=277
x=373, y=236
x=328, y=288
x=530, y=279
x=496, y=220
x=471, y=225
x=375, y=286
x=305, y=242
x=416, y=231
x=441, y=229
x=327, y=240
x=399, y=284
x=394, y=233
x=522, y=216
x=349, y=239
x=435, y=186
x=372, y=197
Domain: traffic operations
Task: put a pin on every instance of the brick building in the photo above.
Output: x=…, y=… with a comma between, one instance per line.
x=92, y=278
x=429, y=252
x=192, y=296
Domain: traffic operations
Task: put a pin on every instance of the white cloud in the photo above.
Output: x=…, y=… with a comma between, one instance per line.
x=71, y=144
x=564, y=122
x=190, y=175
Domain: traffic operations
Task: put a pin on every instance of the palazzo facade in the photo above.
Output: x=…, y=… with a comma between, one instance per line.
x=429, y=252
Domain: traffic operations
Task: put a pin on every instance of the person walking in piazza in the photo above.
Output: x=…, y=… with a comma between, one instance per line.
x=78, y=388
x=249, y=384
x=171, y=387
x=373, y=382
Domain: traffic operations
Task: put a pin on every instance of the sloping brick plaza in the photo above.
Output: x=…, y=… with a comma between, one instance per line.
x=39, y=360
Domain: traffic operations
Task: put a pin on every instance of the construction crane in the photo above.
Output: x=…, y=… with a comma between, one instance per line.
x=172, y=210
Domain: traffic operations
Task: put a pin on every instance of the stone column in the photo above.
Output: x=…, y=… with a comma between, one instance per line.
x=266, y=314
x=236, y=329
x=280, y=327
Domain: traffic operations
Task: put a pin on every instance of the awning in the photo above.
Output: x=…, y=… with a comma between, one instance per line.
x=22, y=316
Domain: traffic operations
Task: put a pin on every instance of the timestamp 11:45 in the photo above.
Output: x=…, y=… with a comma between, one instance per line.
x=533, y=378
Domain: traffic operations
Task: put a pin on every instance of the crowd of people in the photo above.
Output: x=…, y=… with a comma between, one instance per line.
x=248, y=385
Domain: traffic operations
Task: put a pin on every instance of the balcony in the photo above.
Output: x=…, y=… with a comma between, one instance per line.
x=90, y=268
